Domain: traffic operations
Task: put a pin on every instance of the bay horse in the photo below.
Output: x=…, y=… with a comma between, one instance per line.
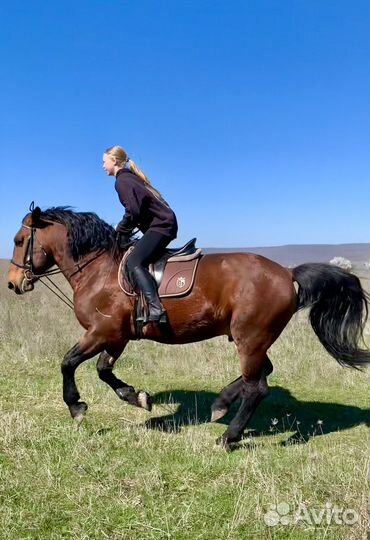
x=244, y=296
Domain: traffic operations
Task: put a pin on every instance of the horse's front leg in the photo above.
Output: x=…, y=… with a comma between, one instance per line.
x=124, y=391
x=88, y=346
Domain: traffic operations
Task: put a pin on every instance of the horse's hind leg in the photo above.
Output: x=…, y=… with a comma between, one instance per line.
x=125, y=392
x=254, y=392
x=232, y=392
x=227, y=396
x=254, y=386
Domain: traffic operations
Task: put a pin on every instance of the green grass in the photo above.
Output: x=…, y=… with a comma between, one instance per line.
x=129, y=475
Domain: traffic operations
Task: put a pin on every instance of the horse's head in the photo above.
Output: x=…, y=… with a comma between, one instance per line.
x=30, y=254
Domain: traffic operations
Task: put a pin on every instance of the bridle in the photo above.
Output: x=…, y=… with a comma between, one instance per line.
x=28, y=259
x=28, y=266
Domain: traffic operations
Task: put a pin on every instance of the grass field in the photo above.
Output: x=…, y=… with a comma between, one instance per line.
x=127, y=474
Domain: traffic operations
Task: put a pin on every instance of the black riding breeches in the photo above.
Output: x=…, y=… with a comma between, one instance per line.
x=149, y=248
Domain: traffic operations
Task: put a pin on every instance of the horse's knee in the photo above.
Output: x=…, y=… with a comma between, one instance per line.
x=104, y=365
x=65, y=366
x=69, y=360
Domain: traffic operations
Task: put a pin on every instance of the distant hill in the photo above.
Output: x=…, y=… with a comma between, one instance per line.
x=295, y=254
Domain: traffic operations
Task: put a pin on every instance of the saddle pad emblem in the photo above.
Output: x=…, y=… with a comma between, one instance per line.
x=181, y=282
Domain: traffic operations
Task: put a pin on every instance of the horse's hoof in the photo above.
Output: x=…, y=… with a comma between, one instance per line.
x=78, y=412
x=217, y=414
x=145, y=401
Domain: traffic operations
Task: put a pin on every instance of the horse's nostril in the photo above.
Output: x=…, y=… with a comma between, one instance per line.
x=11, y=285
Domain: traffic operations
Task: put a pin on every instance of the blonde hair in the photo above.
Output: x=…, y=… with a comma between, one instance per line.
x=122, y=159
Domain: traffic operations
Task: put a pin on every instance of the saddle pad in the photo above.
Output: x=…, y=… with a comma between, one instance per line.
x=178, y=278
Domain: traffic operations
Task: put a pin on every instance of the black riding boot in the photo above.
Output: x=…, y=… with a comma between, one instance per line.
x=146, y=283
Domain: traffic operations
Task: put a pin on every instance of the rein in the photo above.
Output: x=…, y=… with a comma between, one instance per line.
x=67, y=301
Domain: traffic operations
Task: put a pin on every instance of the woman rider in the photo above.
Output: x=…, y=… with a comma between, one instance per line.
x=145, y=209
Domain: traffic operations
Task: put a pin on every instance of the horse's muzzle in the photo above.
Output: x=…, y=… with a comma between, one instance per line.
x=14, y=287
x=26, y=286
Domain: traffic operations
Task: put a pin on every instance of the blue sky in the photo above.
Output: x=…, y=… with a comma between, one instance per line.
x=251, y=117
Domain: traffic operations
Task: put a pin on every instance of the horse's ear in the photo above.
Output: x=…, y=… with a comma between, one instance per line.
x=37, y=220
x=36, y=214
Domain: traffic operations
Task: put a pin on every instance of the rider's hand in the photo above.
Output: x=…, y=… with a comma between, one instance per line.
x=123, y=240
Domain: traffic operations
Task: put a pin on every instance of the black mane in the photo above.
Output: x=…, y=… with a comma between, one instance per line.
x=86, y=231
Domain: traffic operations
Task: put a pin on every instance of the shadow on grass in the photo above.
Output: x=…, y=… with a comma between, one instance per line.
x=280, y=412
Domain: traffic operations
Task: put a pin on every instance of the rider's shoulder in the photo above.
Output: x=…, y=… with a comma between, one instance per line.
x=126, y=178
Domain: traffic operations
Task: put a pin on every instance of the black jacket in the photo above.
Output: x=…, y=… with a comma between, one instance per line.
x=142, y=208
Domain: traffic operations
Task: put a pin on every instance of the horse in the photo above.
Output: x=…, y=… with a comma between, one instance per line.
x=244, y=296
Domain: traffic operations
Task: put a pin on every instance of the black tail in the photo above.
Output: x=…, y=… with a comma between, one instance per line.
x=339, y=309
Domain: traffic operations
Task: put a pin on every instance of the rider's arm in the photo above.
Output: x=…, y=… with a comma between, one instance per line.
x=132, y=199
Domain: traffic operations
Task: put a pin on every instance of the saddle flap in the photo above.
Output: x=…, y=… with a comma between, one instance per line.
x=178, y=278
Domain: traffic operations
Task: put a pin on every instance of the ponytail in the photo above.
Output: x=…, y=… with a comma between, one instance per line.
x=123, y=160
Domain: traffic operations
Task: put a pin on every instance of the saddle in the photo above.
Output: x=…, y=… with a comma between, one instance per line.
x=174, y=272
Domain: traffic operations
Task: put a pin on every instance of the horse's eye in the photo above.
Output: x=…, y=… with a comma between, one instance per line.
x=19, y=243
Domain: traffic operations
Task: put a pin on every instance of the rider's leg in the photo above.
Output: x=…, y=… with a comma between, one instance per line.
x=149, y=248
x=145, y=282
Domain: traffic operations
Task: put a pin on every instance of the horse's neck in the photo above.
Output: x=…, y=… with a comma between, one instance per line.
x=90, y=265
